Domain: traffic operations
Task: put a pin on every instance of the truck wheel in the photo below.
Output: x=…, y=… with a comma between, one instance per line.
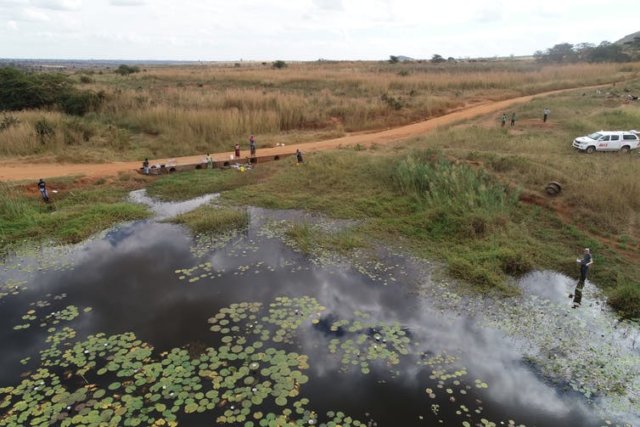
x=625, y=149
x=591, y=149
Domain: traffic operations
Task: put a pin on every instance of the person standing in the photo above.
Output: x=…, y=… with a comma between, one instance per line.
x=513, y=119
x=503, y=120
x=209, y=161
x=42, y=187
x=585, y=262
x=545, y=114
x=237, y=151
x=252, y=146
x=145, y=166
x=299, y=156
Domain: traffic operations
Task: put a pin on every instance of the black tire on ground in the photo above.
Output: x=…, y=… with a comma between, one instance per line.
x=625, y=149
x=591, y=149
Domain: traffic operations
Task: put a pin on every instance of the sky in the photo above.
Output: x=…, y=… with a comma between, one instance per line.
x=306, y=30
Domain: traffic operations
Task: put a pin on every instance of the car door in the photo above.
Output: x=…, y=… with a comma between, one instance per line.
x=603, y=143
x=615, y=143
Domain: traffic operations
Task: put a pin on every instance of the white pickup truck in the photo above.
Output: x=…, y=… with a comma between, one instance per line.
x=618, y=140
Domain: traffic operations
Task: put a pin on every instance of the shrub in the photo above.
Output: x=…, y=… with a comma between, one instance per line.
x=125, y=70
x=20, y=90
x=44, y=131
x=8, y=121
x=279, y=64
x=79, y=103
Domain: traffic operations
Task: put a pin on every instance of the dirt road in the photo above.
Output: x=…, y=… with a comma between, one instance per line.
x=16, y=171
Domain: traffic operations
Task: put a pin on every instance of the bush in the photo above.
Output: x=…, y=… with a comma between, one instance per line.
x=20, y=90
x=8, y=121
x=44, y=131
x=125, y=70
x=279, y=64
x=625, y=298
x=79, y=103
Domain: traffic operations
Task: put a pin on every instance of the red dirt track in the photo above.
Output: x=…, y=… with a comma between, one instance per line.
x=17, y=171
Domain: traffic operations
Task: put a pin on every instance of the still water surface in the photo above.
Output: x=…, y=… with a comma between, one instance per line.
x=132, y=280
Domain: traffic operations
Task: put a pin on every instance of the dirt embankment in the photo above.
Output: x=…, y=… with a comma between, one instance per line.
x=17, y=171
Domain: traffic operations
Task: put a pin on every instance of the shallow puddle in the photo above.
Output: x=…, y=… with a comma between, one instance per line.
x=148, y=326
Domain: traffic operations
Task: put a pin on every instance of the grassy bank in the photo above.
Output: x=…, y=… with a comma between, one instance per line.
x=212, y=219
x=472, y=195
x=79, y=210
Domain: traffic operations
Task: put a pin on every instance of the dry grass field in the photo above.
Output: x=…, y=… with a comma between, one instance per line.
x=174, y=111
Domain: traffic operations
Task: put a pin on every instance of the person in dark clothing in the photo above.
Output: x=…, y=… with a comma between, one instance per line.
x=545, y=115
x=237, y=151
x=299, y=156
x=503, y=120
x=585, y=262
x=42, y=187
x=252, y=146
x=145, y=166
x=513, y=119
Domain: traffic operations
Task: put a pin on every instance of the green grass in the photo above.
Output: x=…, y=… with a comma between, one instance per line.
x=70, y=218
x=187, y=185
x=212, y=220
x=310, y=239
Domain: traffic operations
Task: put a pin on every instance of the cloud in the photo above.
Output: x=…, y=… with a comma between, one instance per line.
x=127, y=2
x=329, y=4
x=490, y=13
x=12, y=25
x=34, y=15
x=58, y=4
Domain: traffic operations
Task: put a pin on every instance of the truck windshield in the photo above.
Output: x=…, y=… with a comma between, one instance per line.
x=595, y=136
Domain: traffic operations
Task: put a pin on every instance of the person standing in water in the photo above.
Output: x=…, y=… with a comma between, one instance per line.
x=585, y=262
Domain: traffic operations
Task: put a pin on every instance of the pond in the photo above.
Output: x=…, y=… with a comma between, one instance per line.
x=147, y=325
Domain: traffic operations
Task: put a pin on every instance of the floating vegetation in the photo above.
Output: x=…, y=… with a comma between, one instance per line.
x=119, y=380
x=363, y=343
x=12, y=287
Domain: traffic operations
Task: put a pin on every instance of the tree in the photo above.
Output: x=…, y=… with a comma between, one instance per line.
x=437, y=59
x=393, y=59
x=608, y=52
x=279, y=64
x=562, y=52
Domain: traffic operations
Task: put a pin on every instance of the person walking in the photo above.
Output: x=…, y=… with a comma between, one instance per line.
x=42, y=187
x=237, y=151
x=585, y=262
x=503, y=120
x=145, y=166
x=252, y=146
x=545, y=114
x=513, y=119
x=299, y=156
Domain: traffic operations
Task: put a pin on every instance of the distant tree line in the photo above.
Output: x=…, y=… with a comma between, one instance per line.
x=588, y=52
x=21, y=90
